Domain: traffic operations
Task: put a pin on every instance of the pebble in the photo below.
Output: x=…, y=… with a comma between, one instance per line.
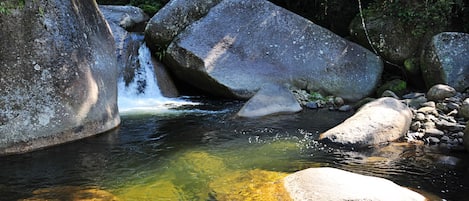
x=440, y=92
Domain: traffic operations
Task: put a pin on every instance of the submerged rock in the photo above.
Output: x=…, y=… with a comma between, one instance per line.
x=234, y=55
x=340, y=185
x=271, y=99
x=382, y=120
x=72, y=193
x=58, y=75
x=250, y=185
x=445, y=60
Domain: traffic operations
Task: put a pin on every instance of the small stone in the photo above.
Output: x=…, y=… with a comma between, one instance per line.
x=429, y=104
x=433, y=132
x=445, y=139
x=420, y=117
x=312, y=105
x=345, y=108
x=429, y=125
x=415, y=126
x=440, y=92
x=433, y=140
x=338, y=101
x=428, y=110
x=452, y=106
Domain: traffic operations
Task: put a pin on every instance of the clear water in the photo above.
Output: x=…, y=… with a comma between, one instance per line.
x=179, y=155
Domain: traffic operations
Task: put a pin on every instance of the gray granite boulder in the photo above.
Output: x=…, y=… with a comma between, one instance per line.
x=339, y=185
x=58, y=75
x=233, y=55
x=380, y=121
x=270, y=99
x=445, y=60
x=464, y=109
x=173, y=18
x=126, y=17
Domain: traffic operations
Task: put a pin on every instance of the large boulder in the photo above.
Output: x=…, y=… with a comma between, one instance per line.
x=173, y=18
x=233, y=55
x=128, y=17
x=445, y=60
x=382, y=120
x=270, y=99
x=340, y=185
x=58, y=74
x=389, y=37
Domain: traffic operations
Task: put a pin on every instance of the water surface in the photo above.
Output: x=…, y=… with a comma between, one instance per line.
x=188, y=152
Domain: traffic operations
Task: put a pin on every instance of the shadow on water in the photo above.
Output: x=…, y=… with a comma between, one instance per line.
x=198, y=152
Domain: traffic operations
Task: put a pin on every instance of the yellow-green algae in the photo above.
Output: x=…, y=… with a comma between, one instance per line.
x=227, y=174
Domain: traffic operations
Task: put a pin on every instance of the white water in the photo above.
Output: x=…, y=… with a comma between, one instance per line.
x=143, y=94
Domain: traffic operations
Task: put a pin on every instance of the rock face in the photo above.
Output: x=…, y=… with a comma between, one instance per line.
x=340, y=185
x=173, y=18
x=233, y=55
x=445, y=60
x=391, y=39
x=383, y=120
x=271, y=99
x=58, y=75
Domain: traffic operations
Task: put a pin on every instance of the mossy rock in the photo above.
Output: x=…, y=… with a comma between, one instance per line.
x=250, y=185
x=158, y=190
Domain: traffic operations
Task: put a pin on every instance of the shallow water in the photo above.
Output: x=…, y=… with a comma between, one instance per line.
x=192, y=153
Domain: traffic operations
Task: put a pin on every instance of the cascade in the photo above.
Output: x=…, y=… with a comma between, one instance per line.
x=142, y=94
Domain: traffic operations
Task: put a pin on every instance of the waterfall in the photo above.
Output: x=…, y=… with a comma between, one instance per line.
x=142, y=94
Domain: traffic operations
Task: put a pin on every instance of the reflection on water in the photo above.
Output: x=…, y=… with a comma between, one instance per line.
x=204, y=153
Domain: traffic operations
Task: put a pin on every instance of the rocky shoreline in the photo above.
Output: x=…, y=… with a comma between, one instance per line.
x=439, y=115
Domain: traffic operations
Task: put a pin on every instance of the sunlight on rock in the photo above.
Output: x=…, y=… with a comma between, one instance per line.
x=73, y=193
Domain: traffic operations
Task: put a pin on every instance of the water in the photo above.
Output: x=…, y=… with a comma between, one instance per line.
x=182, y=155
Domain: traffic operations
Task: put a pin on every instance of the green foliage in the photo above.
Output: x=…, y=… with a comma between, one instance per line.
x=421, y=15
x=6, y=6
x=148, y=6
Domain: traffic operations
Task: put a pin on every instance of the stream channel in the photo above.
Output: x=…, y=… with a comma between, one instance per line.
x=193, y=148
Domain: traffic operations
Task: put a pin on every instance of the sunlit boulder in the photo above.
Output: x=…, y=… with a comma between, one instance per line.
x=270, y=99
x=380, y=121
x=233, y=55
x=58, y=74
x=339, y=185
